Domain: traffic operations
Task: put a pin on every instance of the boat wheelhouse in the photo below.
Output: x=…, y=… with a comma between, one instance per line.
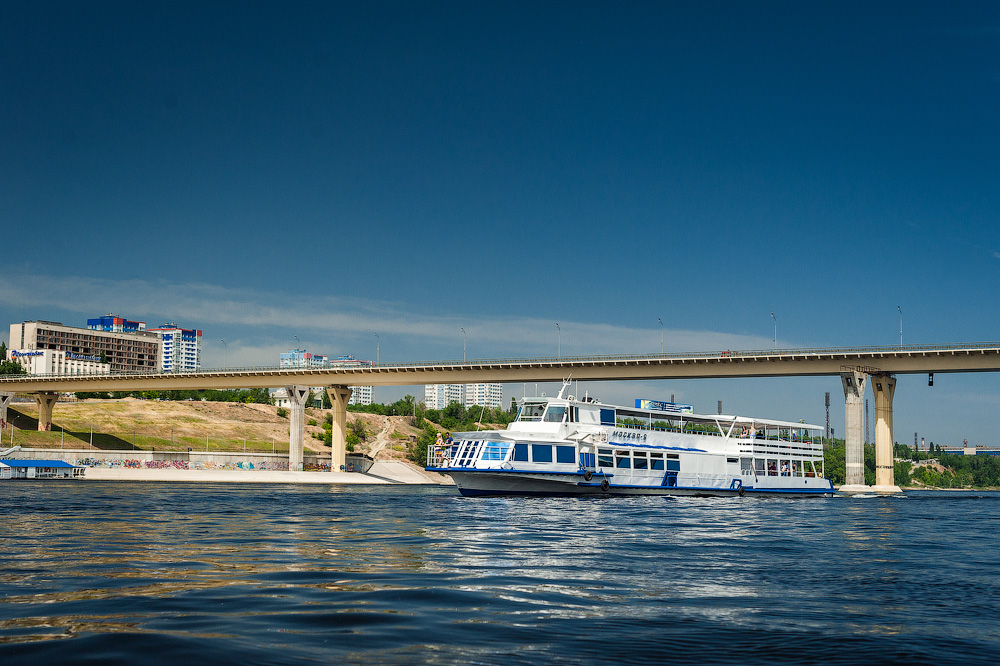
x=570, y=446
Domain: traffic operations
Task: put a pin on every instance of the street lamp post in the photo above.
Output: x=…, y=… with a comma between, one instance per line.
x=900, y=325
x=775, y=332
x=226, y=353
x=465, y=343
x=661, y=334
x=378, y=347
x=559, y=341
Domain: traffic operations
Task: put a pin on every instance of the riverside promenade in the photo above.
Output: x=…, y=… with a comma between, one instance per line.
x=389, y=472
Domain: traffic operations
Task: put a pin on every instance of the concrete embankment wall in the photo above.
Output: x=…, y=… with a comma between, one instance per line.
x=232, y=466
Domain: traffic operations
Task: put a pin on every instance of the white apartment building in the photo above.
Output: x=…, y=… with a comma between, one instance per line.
x=180, y=348
x=484, y=395
x=439, y=396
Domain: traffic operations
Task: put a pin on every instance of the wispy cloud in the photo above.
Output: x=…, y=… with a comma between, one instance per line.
x=997, y=255
x=204, y=305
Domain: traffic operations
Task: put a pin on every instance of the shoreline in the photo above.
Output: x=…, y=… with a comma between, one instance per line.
x=382, y=473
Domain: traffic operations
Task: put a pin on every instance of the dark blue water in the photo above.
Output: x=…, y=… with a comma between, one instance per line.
x=101, y=572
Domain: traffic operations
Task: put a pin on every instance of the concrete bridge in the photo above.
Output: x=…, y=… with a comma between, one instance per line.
x=856, y=366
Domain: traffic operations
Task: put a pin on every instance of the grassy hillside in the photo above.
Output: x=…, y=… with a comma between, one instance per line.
x=130, y=423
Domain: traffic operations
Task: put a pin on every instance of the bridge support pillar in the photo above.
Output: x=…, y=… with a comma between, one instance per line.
x=854, y=393
x=884, y=387
x=297, y=396
x=5, y=398
x=339, y=396
x=46, y=401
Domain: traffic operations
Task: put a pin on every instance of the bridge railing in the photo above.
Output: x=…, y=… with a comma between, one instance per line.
x=558, y=360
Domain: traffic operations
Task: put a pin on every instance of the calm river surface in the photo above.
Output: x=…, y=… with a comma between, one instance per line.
x=105, y=572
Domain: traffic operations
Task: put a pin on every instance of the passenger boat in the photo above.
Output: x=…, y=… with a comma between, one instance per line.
x=570, y=446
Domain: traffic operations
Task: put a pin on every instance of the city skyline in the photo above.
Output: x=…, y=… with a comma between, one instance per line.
x=605, y=180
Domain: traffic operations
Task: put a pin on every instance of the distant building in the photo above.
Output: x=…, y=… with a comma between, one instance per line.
x=300, y=358
x=52, y=362
x=111, y=323
x=137, y=351
x=483, y=395
x=180, y=349
x=439, y=396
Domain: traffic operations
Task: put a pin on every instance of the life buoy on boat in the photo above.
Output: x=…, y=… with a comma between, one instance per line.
x=604, y=485
x=742, y=491
x=588, y=475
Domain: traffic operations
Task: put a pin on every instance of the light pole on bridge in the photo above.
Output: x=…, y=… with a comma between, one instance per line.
x=661, y=335
x=775, y=332
x=900, y=325
x=465, y=343
x=559, y=341
x=378, y=347
x=225, y=354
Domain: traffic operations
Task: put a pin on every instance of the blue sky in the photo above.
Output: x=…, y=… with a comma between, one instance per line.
x=263, y=171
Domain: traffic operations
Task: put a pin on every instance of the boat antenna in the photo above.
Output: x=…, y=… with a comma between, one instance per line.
x=566, y=383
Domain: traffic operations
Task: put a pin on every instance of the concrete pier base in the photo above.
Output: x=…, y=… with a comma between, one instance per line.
x=297, y=396
x=5, y=398
x=854, y=383
x=884, y=387
x=46, y=401
x=339, y=397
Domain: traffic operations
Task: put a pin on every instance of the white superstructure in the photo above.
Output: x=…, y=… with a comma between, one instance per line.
x=566, y=446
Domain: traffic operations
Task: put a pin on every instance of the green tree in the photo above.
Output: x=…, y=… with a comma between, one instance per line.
x=11, y=368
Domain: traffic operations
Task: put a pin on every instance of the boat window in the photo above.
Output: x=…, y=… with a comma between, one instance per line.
x=541, y=453
x=674, y=465
x=532, y=411
x=772, y=467
x=622, y=461
x=604, y=458
x=555, y=414
x=495, y=450
x=758, y=466
x=783, y=466
x=639, y=460
x=732, y=460
x=521, y=452
x=656, y=463
x=796, y=468
x=566, y=454
x=809, y=468
x=607, y=417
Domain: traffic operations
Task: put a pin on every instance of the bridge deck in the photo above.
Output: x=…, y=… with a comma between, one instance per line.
x=978, y=357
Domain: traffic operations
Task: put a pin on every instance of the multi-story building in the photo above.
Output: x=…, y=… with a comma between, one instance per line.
x=300, y=358
x=52, y=362
x=483, y=395
x=180, y=349
x=112, y=323
x=137, y=351
x=439, y=396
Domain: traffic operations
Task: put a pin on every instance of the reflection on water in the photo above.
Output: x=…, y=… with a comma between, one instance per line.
x=394, y=574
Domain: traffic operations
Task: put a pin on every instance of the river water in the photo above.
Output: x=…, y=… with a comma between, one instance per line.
x=105, y=572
